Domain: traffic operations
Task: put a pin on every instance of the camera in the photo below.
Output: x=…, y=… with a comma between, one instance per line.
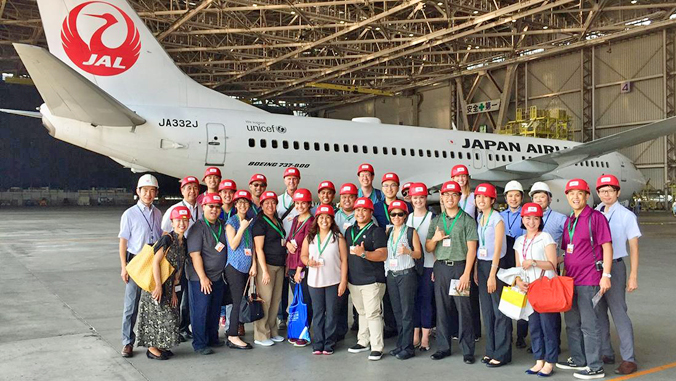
x=599, y=266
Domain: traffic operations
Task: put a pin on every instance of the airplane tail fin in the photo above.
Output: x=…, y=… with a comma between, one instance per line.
x=108, y=43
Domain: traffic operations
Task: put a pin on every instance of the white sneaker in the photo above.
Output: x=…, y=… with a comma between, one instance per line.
x=277, y=339
x=264, y=343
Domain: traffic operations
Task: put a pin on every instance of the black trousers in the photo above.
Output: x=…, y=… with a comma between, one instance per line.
x=475, y=310
x=402, y=290
x=498, y=326
x=283, y=312
x=236, y=283
x=307, y=299
x=446, y=315
x=388, y=313
x=324, y=317
x=184, y=299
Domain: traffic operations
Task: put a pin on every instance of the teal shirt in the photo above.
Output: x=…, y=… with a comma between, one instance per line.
x=465, y=229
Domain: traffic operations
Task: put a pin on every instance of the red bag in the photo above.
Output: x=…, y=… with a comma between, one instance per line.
x=551, y=295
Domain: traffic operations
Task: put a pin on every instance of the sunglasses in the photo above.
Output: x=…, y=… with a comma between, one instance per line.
x=257, y=185
x=402, y=214
x=214, y=206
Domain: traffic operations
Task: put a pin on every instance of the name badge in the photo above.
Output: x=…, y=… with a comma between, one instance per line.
x=393, y=263
x=247, y=252
x=320, y=261
x=483, y=253
x=283, y=242
x=353, y=249
x=569, y=248
x=446, y=242
x=177, y=288
x=346, y=225
x=293, y=242
x=219, y=247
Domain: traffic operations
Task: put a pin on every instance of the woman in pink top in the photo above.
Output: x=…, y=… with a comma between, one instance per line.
x=295, y=269
x=324, y=252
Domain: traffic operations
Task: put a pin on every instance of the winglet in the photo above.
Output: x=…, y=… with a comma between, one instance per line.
x=70, y=95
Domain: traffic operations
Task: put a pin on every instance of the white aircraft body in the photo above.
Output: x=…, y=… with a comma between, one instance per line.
x=109, y=87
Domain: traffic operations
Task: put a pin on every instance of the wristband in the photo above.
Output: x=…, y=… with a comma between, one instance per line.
x=607, y=275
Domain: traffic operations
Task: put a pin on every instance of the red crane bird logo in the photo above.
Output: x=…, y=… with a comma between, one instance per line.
x=96, y=58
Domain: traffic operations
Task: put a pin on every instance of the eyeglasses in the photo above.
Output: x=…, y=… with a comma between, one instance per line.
x=214, y=206
x=402, y=214
x=257, y=185
x=607, y=191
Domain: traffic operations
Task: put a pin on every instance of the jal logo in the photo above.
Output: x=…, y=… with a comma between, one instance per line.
x=605, y=179
x=183, y=212
x=106, y=50
x=574, y=183
x=482, y=189
x=418, y=189
x=532, y=209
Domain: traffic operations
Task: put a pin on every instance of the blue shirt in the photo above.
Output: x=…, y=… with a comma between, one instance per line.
x=140, y=225
x=381, y=214
x=623, y=227
x=467, y=204
x=376, y=196
x=554, y=222
x=487, y=237
x=512, y=222
x=195, y=215
x=237, y=258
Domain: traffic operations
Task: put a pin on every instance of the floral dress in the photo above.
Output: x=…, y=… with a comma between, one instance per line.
x=158, y=322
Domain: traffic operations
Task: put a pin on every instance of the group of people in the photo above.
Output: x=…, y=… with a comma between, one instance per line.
x=393, y=257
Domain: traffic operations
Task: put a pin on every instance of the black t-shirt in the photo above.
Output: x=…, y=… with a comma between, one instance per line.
x=361, y=271
x=275, y=253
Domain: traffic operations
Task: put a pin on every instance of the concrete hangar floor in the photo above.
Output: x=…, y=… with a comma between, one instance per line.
x=61, y=304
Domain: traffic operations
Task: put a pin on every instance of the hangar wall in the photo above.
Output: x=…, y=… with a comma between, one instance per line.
x=586, y=83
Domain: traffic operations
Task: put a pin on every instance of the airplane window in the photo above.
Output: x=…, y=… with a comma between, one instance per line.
x=317, y=147
x=394, y=151
x=274, y=144
x=412, y=151
x=436, y=153
x=523, y=158
x=306, y=146
x=459, y=155
x=252, y=143
x=490, y=157
x=263, y=143
x=504, y=158
x=420, y=152
x=476, y=155
x=355, y=149
x=452, y=155
x=597, y=163
x=384, y=150
x=403, y=152
x=327, y=147
x=336, y=147
x=429, y=153
x=365, y=149
x=443, y=153
x=375, y=150
x=607, y=165
x=296, y=145
x=510, y=157
x=346, y=148
x=285, y=144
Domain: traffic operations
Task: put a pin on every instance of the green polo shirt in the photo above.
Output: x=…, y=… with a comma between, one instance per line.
x=463, y=231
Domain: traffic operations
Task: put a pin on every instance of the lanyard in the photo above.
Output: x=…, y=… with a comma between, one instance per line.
x=354, y=239
x=227, y=216
x=611, y=214
x=421, y=222
x=246, y=237
x=464, y=204
x=319, y=243
x=220, y=230
x=347, y=218
x=547, y=219
x=193, y=214
x=484, y=227
x=152, y=231
x=571, y=233
x=387, y=214
x=393, y=249
x=515, y=218
x=525, y=248
x=443, y=217
x=284, y=200
x=300, y=227
x=274, y=226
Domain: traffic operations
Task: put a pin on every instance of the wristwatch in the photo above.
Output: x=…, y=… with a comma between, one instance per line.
x=607, y=275
x=363, y=255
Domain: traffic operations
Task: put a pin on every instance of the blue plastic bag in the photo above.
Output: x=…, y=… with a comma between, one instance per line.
x=297, y=326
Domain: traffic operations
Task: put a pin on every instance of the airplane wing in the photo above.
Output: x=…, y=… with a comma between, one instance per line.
x=70, y=95
x=32, y=114
x=539, y=166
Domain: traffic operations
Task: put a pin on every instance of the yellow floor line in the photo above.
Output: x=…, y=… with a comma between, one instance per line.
x=644, y=372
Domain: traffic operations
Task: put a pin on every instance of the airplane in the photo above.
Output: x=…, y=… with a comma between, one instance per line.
x=109, y=87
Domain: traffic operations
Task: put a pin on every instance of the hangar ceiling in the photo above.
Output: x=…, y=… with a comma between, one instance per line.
x=302, y=54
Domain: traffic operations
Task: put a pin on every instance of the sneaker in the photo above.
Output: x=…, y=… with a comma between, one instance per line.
x=358, y=348
x=205, y=351
x=281, y=323
x=292, y=341
x=570, y=365
x=265, y=343
x=277, y=339
x=375, y=355
x=300, y=343
x=455, y=338
x=316, y=352
x=328, y=353
x=588, y=374
x=221, y=322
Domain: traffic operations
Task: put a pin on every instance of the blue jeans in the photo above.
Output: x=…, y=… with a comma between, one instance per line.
x=424, y=314
x=132, y=295
x=543, y=336
x=205, y=310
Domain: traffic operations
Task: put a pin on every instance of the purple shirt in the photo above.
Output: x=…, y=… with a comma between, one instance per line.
x=580, y=264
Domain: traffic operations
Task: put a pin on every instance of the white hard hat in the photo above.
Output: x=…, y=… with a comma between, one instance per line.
x=513, y=185
x=539, y=187
x=147, y=180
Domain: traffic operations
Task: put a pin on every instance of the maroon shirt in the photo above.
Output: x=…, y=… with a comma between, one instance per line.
x=580, y=265
x=298, y=232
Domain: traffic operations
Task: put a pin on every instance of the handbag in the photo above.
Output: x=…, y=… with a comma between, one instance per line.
x=140, y=268
x=514, y=303
x=297, y=326
x=251, y=306
x=551, y=295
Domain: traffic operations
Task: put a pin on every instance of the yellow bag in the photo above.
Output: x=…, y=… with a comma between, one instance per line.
x=140, y=268
x=514, y=303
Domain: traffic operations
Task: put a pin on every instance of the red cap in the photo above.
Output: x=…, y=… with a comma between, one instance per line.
x=486, y=189
x=325, y=209
x=365, y=167
x=212, y=198
x=406, y=186
x=363, y=202
x=292, y=171
x=417, y=189
x=189, y=180
x=349, y=188
x=390, y=177
x=397, y=204
x=268, y=195
x=227, y=184
x=450, y=186
x=302, y=194
x=180, y=212
x=459, y=170
x=212, y=171
x=577, y=184
x=245, y=194
x=606, y=180
x=326, y=185
x=258, y=177
x=531, y=209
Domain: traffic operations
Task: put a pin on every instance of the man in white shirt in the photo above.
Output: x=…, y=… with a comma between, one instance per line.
x=286, y=211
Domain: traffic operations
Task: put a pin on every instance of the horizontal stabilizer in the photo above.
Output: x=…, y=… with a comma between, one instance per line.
x=68, y=94
x=31, y=114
